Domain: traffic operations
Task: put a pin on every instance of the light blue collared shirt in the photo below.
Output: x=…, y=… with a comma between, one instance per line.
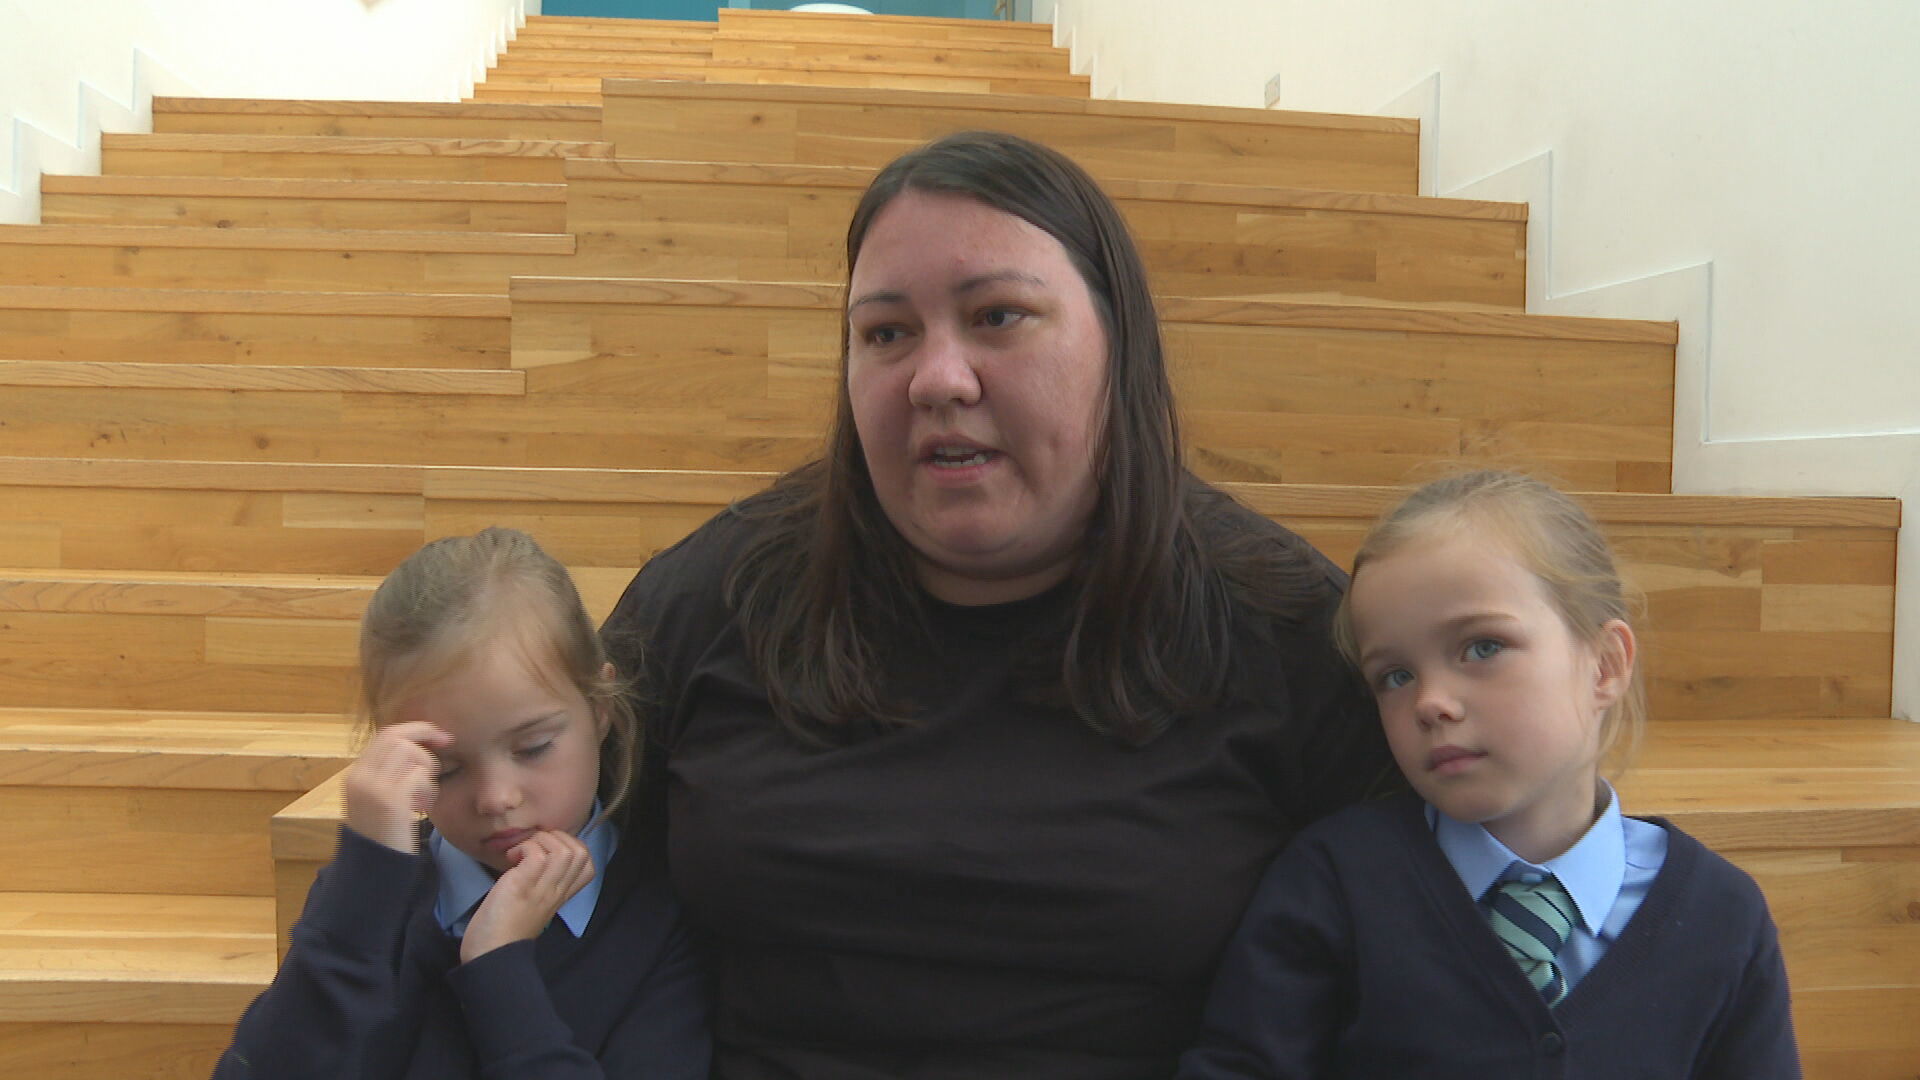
x=1607, y=873
x=464, y=881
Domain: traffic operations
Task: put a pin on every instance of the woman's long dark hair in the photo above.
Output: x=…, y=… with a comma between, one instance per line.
x=827, y=588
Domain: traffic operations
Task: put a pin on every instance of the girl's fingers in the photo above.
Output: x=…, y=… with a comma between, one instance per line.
x=420, y=733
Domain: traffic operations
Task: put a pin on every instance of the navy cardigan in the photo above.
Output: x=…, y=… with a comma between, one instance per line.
x=1362, y=957
x=372, y=987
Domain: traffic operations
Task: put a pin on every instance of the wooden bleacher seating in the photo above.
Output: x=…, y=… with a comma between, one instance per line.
x=207, y=474
x=566, y=61
x=740, y=375
x=240, y=202
x=698, y=220
x=1114, y=140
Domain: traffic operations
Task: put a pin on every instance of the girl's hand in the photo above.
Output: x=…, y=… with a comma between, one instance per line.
x=548, y=868
x=393, y=781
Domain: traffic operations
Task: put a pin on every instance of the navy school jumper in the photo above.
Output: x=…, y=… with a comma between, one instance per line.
x=373, y=988
x=1362, y=957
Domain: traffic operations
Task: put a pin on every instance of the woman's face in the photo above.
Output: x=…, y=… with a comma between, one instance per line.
x=977, y=367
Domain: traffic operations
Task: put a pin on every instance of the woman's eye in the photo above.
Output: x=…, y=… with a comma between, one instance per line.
x=1483, y=649
x=446, y=773
x=881, y=335
x=1000, y=318
x=1395, y=679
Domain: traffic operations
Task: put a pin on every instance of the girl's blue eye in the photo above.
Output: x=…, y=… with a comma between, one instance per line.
x=1395, y=679
x=1483, y=649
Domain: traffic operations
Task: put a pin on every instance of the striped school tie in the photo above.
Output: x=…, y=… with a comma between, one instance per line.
x=1533, y=920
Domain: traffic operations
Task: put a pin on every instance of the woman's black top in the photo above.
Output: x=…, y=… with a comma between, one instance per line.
x=995, y=889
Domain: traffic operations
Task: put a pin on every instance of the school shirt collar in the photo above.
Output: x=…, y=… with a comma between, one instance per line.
x=464, y=881
x=1591, y=870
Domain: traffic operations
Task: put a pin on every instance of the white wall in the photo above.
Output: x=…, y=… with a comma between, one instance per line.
x=1749, y=167
x=71, y=69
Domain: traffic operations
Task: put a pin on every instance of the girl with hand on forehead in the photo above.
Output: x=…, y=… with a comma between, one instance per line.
x=516, y=932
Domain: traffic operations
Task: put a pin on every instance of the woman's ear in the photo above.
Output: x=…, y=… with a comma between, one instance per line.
x=1615, y=651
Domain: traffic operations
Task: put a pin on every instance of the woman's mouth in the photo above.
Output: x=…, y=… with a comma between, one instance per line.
x=959, y=457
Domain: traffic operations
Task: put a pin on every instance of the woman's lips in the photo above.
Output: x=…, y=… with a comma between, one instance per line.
x=1452, y=759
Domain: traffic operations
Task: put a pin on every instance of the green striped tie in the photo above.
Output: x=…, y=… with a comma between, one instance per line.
x=1533, y=919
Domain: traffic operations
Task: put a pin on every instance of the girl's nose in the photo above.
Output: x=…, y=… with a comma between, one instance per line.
x=1436, y=704
x=943, y=371
x=496, y=795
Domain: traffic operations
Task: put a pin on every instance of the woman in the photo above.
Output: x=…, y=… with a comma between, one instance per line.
x=976, y=733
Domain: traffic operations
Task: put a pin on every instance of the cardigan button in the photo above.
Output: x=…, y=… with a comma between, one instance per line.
x=1551, y=1044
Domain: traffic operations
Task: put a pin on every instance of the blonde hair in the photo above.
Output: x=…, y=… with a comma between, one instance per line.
x=1554, y=539
x=434, y=610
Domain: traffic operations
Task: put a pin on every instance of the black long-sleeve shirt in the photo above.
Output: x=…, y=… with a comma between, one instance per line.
x=994, y=889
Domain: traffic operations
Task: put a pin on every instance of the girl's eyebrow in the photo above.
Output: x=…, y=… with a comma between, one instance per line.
x=1452, y=625
x=525, y=726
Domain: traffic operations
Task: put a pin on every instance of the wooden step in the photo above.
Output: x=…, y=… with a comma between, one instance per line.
x=118, y=984
x=374, y=119
x=195, y=751
x=159, y=801
x=614, y=27
x=1113, y=139
x=680, y=374
x=484, y=94
x=1756, y=607
x=331, y=380
x=339, y=157
x=1825, y=814
x=178, y=641
x=928, y=77
x=1285, y=392
x=535, y=48
x=328, y=329
x=296, y=203
x=537, y=45
x=746, y=222
x=358, y=261
x=1051, y=65
x=1024, y=56
x=166, y=801
x=883, y=27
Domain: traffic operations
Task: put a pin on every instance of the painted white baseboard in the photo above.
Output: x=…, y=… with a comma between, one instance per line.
x=37, y=152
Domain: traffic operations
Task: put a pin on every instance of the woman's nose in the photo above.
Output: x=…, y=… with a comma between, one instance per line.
x=943, y=372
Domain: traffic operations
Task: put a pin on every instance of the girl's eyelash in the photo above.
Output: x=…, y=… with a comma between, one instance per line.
x=1472, y=649
x=535, y=750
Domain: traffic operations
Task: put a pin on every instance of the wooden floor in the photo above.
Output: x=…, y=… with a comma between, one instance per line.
x=278, y=345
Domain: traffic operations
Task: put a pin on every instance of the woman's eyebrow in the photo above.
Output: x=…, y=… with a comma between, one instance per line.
x=1018, y=276
x=882, y=297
